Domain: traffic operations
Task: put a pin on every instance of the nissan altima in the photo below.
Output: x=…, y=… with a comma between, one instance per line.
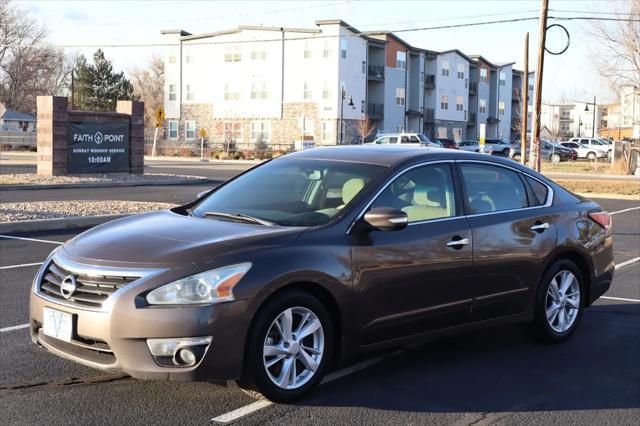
x=310, y=259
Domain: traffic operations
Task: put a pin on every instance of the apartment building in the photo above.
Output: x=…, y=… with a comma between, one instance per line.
x=273, y=85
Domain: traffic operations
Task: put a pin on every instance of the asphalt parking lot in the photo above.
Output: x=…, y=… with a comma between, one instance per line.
x=497, y=376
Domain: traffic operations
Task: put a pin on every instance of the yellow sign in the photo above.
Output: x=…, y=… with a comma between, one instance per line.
x=159, y=117
x=202, y=132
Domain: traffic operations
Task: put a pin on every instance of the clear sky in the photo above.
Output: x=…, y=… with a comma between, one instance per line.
x=571, y=75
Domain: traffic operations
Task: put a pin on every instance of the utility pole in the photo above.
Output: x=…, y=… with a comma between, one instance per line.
x=525, y=101
x=535, y=134
x=593, y=128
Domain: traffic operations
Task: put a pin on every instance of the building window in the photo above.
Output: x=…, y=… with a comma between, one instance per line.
x=233, y=53
x=459, y=103
x=259, y=91
x=307, y=91
x=307, y=125
x=326, y=51
x=173, y=94
x=172, y=59
x=401, y=60
x=501, y=108
x=308, y=52
x=190, y=59
x=460, y=71
x=442, y=132
x=364, y=67
x=173, y=129
x=362, y=105
x=232, y=131
x=326, y=91
x=258, y=53
x=482, y=106
x=445, y=68
x=444, y=102
x=230, y=94
x=260, y=131
x=530, y=83
x=457, y=134
x=189, y=130
x=343, y=49
x=327, y=131
x=400, y=96
x=483, y=76
x=190, y=94
x=503, y=79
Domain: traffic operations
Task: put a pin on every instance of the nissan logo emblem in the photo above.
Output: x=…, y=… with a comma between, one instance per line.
x=68, y=286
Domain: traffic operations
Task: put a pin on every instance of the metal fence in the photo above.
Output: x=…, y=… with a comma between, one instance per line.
x=15, y=139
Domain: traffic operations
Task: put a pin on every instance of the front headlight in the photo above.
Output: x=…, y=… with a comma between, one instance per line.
x=206, y=287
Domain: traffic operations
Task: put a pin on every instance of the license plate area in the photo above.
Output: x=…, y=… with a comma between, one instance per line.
x=57, y=324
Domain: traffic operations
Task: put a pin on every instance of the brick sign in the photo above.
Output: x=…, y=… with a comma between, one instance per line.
x=98, y=147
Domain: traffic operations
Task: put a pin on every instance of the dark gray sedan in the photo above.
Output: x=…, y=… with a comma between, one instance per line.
x=310, y=259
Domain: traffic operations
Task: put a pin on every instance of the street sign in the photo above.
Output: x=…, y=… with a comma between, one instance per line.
x=159, y=117
x=202, y=132
x=483, y=132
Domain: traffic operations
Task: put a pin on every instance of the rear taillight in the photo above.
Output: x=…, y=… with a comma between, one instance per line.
x=603, y=219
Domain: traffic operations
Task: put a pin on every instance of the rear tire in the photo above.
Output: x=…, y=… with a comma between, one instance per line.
x=559, y=302
x=516, y=157
x=592, y=156
x=555, y=158
x=285, y=360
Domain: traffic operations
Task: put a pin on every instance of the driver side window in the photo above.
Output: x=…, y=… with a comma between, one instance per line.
x=424, y=193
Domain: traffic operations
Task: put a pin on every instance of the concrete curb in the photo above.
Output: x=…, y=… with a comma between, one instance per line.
x=26, y=187
x=57, y=224
x=198, y=161
x=609, y=196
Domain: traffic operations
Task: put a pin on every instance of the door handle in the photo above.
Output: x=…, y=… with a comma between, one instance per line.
x=458, y=243
x=539, y=227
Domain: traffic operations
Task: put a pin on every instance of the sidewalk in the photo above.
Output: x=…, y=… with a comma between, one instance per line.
x=197, y=160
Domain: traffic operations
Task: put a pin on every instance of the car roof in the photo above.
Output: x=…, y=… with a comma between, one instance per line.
x=390, y=155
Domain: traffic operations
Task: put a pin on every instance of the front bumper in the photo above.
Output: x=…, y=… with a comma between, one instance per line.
x=115, y=339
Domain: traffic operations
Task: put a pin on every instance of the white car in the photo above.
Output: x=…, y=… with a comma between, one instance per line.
x=474, y=146
x=404, y=138
x=593, y=143
x=590, y=152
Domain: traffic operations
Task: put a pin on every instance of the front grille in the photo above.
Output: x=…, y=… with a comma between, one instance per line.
x=91, y=291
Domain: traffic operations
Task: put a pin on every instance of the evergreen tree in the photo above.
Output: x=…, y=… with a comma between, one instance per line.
x=97, y=87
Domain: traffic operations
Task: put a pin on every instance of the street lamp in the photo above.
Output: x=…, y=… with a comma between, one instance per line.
x=586, y=109
x=579, y=126
x=343, y=95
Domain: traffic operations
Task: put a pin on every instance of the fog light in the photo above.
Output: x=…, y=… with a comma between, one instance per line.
x=185, y=357
x=184, y=352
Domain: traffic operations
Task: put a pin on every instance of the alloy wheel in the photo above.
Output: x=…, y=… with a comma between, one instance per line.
x=555, y=158
x=562, y=302
x=293, y=348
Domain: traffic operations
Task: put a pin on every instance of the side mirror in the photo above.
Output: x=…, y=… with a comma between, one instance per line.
x=386, y=219
x=202, y=194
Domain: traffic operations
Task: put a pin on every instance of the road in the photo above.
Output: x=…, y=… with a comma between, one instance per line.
x=497, y=376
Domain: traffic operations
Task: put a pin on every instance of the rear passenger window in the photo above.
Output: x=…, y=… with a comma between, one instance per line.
x=423, y=193
x=539, y=190
x=492, y=189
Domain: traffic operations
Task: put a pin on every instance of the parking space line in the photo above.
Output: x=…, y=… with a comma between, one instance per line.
x=623, y=299
x=13, y=328
x=625, y=210
x=11, y=237
x=628, y=262
x=242, y=412
x=24, y=265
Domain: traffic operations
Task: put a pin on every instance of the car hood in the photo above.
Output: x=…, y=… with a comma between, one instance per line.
x=168, y=238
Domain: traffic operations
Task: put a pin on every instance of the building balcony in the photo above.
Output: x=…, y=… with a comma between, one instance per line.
x=413, y=112
x=471, y=119
x=375, y=111
x=565, y=118
x=473, y=87
x=493, y=120
x=430, y=81
x=429, y=115
x=375, y=72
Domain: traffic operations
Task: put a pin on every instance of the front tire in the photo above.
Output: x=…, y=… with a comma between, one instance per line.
x=559, y=302
x=289, y=347
x=516, y=157
x=555, y=158
x=592, y=156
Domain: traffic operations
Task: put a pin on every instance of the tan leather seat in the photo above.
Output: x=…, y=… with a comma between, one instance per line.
x=349, y=190
x=427, y=204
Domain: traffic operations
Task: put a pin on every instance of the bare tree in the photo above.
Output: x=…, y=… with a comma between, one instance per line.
x=28, y=66
x=364, y=128
x=617, y=55
x=148, y=85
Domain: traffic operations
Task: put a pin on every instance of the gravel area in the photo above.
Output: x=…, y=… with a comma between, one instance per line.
x=13, y=212
x=32, y=178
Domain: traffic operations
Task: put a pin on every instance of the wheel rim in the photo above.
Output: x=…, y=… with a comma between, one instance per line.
x=555, y=158
x=293, y=348
x=563, y=301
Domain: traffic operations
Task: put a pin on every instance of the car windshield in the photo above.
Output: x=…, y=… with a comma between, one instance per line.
x=289, y=192
x=423, y=138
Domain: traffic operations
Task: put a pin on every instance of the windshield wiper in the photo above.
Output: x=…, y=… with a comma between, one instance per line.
x=243, y=217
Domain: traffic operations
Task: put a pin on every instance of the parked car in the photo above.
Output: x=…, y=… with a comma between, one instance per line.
x=491, y=146
x=549, y=151
x=277, y=275
x=593, y=143
x=583, y=151
x=404, y=138
x=447, y=143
